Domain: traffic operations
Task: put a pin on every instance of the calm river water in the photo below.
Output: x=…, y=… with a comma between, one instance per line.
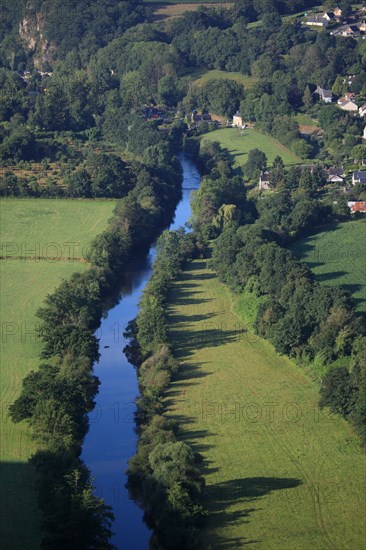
x=111, y=439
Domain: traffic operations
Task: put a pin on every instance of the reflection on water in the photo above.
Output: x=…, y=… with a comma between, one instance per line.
x=111, y=439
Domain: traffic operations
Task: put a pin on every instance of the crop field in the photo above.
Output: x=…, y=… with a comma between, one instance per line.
x=201, y=77
x=337, y=256
x=239, y=143
x=25, y=280
x=280, y=473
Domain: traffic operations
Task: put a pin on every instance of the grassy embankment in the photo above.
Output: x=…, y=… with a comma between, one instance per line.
x=28, y=227
x=239, y=143
x=337, y=256
x=281, y=474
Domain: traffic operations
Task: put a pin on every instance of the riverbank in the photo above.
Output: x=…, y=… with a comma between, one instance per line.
x=280, y=473
x=74, y=514
x=111, y=440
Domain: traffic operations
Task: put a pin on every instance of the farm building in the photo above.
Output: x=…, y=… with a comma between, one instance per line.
x=357, y=206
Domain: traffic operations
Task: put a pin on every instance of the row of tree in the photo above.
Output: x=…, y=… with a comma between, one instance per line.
x=164, y=475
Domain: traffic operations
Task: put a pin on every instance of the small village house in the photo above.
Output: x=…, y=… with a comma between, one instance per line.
x=359, y=177
x=350, y=30
x=329, y=16
x=362, y=110
x=347, y=105
x=238, y=120
x=264, y=183
x=317, y=20
x=364, y=133
x=334, y=175
x=357, y=206
x=337, y=11
x=325, y=95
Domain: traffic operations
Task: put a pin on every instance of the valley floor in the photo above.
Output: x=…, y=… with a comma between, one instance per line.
x=280, y=473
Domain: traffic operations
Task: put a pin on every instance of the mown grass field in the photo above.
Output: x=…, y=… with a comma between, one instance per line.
x=280, y=474
x=24, y=285
x=239, y=143
x=51, y=227
x=337, y=256
x=202, y=76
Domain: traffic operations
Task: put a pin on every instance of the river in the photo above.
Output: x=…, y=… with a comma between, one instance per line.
x=111, y=439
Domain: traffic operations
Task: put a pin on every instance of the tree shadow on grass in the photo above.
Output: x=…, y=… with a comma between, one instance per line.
x=240, y=491
x=188, y=319
x=187, y=342
x=330, y=276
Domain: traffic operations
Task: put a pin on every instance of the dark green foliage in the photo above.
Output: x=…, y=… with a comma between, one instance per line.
x=222, y=188
x=164, y=474
x=73, y=516
x=336, y=391
x=257, y=161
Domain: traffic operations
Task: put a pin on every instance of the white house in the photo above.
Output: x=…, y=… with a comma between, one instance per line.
x=337, y=11
x=348, y=105
x=238, y=121
x=329, y=16
x=334, y=175
x=362, y=110
x=364, y=133
x=264, y=181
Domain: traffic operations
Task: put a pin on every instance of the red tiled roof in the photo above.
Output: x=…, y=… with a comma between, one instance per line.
x=359, y=206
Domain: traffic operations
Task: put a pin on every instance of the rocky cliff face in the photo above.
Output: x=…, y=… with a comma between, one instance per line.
x=32, y=35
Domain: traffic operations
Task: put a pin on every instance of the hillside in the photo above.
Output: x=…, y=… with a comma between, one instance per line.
x=337, y=257
x=239, y=143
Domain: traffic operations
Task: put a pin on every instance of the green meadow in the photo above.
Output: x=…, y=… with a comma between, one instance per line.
x=280, y=473
x=239, y=143
x=25, y=281
x=51, y=227
x=202, y=76
x=337, y=256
